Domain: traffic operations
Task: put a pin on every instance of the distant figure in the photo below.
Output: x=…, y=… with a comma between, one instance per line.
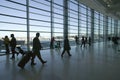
x=89, y=41
x=109, y=38
x=66, y=47
x=36, y=49
x=52, y=43
x=76, y=40
x=6, y=42
x=86, y=40
x=13, y=46
x=82, y=41
x=115, y=40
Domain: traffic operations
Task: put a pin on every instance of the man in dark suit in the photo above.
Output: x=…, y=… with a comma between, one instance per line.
x=36, y=49
x=13, y=46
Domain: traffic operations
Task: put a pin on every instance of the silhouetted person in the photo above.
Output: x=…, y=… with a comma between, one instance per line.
x=6, y=42
x=86, y=40
x=36, y=50
x=82, y=41
x=52, y=43
x=13, y=46
x=109, y=38
x=89, y=41
x=115, y=40
x=76, y=40
x=66, y=47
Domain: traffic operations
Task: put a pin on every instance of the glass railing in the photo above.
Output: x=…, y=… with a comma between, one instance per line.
x=45, y=45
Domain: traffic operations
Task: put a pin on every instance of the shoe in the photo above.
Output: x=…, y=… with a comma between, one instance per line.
x=44, y=62
x=33, y=63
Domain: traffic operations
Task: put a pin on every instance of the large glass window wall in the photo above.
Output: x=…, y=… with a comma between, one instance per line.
x=47, y=18
x=101, y=27
x=72, y=20
x=57, y=19
x=109, y=27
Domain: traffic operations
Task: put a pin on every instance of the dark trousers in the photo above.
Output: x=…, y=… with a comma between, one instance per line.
x=36, y=53
x=67, y=52
x=7, y=48
x=13, y=52
x=83, y=44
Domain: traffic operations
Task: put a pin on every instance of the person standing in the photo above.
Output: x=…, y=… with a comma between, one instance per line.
x=86, y=41
x=36, y=50
x=52, y=43
x=89, y=41
x=66, y=47
x=83, y=41
x=6, y=42
x=76, y=40
x=13, y=45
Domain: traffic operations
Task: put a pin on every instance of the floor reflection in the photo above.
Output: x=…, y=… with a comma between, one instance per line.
x=100, y=61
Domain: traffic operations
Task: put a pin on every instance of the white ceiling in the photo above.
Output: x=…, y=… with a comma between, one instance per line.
x=100, y=6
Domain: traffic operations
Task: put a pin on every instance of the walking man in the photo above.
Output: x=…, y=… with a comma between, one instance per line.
x=36, y=50
x=66, y=47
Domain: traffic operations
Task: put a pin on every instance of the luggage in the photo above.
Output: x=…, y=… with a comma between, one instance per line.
x=21, y=51
x=25, y=59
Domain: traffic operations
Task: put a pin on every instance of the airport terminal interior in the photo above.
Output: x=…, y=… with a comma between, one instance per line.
x=91, y=26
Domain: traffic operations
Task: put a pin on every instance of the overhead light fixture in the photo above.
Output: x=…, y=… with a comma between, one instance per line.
x=108, y=6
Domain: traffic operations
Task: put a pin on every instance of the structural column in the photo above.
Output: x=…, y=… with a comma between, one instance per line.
x=65, y=18
x=87, y=22
x=52, y=18
x=27, y=20
x=105, y=28
x=111, y=28
x=78, y=19
x=99, y=25
x=92, y=25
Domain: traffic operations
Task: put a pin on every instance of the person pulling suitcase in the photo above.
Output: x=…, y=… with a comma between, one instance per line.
x=36, y=50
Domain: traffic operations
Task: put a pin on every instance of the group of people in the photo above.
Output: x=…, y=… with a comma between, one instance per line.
x=66, y=46
x=84, y=41
x=12, y=43
x=53, y=45
x=36, y=47
x=114, y=39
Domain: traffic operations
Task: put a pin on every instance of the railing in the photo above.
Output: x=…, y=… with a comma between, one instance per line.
x=45, y=45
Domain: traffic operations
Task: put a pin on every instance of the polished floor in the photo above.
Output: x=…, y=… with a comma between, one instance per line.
x=101, y=61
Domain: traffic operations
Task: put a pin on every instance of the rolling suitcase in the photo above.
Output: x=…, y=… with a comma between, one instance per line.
x=25, y=59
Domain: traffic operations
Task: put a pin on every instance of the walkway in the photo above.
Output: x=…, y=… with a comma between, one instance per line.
x=98, y=62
